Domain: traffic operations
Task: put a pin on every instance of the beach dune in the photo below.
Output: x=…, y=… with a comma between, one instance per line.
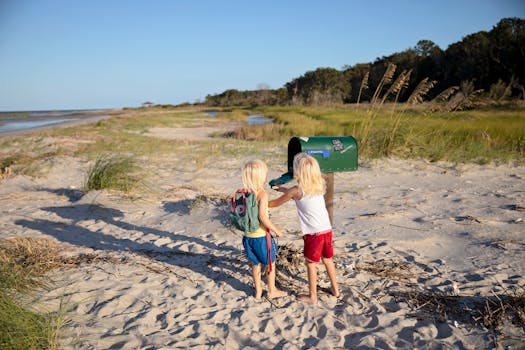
x=418, y=246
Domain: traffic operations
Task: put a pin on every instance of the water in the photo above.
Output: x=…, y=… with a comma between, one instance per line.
x=15, y=121
x=252, y=119
x=211, y=113
x=14, y=126
x=256, y=119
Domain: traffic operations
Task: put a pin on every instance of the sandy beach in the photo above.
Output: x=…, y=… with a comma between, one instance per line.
x=419, y=247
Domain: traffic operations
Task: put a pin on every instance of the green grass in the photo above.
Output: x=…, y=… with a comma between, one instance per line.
x=392, y=130
x=127, y=135
x=479, y=136
x=24, y=329
x=22, y=273
x=15, y=114
x=114, y=172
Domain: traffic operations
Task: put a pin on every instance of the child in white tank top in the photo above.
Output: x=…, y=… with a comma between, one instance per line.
x=314, y=220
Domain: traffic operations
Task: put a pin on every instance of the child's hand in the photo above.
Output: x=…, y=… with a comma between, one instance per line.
x=279, y=188
x=278, y=233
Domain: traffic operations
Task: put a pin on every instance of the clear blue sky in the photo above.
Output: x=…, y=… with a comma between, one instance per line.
x=66, y=54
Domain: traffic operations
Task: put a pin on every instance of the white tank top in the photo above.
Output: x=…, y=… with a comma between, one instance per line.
x=313, y=215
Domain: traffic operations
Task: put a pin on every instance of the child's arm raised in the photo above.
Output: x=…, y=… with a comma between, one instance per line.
x=288, y=193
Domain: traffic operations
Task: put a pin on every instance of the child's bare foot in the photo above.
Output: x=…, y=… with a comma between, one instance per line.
x=307, y=299
x=336, y=293
x=276, y=294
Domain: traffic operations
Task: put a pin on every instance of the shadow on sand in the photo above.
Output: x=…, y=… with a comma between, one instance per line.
x=223, y=258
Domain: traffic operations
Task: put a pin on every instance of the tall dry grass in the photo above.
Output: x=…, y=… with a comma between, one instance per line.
x=393, y=91
x=363, y=86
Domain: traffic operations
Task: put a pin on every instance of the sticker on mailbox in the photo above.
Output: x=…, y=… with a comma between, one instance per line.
x=324, y=152
x=338, y=145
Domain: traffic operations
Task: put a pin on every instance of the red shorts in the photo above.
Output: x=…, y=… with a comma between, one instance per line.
x=317, y=246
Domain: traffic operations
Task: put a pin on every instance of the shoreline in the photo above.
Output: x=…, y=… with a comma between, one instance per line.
x=75, y=118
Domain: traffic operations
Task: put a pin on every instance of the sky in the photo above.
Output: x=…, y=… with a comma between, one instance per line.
x=97, y=54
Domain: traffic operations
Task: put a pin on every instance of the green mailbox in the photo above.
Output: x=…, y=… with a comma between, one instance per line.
x=333, y=153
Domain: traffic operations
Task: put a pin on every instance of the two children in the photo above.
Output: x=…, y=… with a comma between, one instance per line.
x=313, y=217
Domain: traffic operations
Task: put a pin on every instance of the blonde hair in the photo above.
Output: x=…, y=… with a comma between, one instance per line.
x=254, y=174
x=308, y=174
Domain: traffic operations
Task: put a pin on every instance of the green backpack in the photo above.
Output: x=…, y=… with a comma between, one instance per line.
x=244, y=211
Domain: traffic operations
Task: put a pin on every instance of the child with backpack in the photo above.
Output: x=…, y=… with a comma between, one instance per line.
x=259, y=245
x=315, y=222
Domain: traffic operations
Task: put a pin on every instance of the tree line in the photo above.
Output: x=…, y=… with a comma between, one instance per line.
x=489, y=63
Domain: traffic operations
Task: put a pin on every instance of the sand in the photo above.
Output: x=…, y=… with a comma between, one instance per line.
x=172, y=274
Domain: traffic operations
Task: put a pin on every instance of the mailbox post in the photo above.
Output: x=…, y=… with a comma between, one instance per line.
x=333, y=153
x=329, y=195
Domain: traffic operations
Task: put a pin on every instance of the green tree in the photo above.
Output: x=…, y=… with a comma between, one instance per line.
x=482, y=59
x=426, y=48
x=508, y=51
x=356, y=76
x=320, y=87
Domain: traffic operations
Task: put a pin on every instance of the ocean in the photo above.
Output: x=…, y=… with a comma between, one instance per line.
x=18, y=121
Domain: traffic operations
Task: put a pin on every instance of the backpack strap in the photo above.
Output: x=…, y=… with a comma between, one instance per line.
x=234, y=199
x=269, y=246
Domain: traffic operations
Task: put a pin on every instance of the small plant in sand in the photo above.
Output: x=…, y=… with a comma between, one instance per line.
x=22, y=163
x=114, y=172
x=25, y=264
x=21, y=274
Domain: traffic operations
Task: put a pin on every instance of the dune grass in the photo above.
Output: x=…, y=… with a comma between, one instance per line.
x=22, y=273
x=24, y=156
x=114, y=172
x=23, y=329
x=129, y=135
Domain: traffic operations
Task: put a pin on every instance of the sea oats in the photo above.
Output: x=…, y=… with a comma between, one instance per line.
x=420, y=91
x=364, y=85
x=399, y=84
x=385, y=80
x=445, y=94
